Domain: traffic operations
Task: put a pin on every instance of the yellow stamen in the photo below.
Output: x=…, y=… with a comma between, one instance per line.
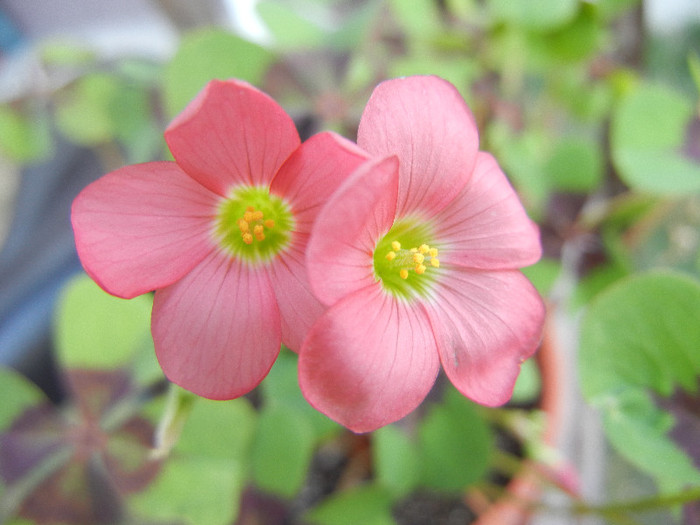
x=258, y=231
x=254, y=218
x=415, y=259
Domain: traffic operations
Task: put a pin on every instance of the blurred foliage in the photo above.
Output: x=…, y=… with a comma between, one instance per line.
x=640, y=337
x=597, y=124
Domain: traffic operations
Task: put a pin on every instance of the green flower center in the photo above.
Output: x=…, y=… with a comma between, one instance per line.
x=404, y=262
x=253, y=224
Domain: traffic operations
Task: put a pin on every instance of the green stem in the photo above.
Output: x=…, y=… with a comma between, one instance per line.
x=177, y=409
x=641, y=505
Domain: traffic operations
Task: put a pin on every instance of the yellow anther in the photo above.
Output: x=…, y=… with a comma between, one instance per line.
x=411, y=260
x=257, y=215
x=248, y=216
x=247, y=238
x=269, y=223
x=243, y=225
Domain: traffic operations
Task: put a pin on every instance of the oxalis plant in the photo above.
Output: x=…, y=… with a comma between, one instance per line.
x=405, y=262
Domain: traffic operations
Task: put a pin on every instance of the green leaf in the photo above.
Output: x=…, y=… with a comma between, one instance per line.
x=97, y=330
x=641, y=335
x=130, y=112
x=284, y=445
x=529, y=383
x=647, y=136
x=694, y=66
x=420, y=19
x=202, y=480
x=281, y=389
x=219, y=430
x=576, y=165
x=642, y=332
x=639, y=432
x=84, y=112
x=23, y=138
x=455, y=444
x=395, y=460
x=193, y=490
x=577, y=40
x=534, y=14
x=368, y=505
x=609, y=9
x=522, y=157
x=66, y=53
x=206, y=55
x=543, y=274
x=289, y=29
x=18, y=394
x=595, y=282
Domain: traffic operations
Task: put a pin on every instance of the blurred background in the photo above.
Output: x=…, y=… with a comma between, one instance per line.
x=590, y=106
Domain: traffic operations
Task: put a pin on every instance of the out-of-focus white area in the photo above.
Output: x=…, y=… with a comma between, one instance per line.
x=245, y=19
x=670, y=15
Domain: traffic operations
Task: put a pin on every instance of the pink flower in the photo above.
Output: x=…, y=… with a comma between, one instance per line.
x=417, y=256
x=220, y=234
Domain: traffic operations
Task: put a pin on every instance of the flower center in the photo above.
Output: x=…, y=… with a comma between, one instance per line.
x=253, y=224
x=406, y=272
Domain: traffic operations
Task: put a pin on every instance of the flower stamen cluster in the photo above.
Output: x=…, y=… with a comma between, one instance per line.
x=255, y=218
x=412, y=259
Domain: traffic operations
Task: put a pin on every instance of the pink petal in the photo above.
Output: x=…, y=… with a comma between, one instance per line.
x=298, y=307
x=486, y=324
x=217, y=331
x=485, y=226
x=369, y=360
x=231, y=134
x=426, y=123
x=346, y=231
x=306, y=180
x=313, y=172
x=142, y=227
